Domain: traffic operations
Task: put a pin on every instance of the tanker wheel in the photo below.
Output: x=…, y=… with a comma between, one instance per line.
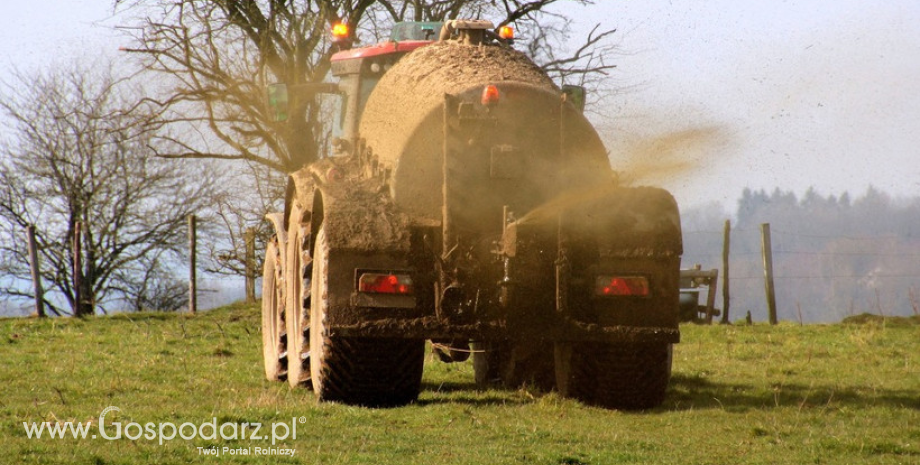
x=274, y=351
x=373, y=372
x=513, y=365
x=299, y=267
x=619, y=376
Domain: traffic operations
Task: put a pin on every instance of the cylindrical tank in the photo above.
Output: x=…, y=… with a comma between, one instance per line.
x=532, y=147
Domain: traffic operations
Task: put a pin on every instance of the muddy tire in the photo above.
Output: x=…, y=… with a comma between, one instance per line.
x=297, y=266
x=274, y=350
x=513, y=365
x=372, y=372
x=619, y=376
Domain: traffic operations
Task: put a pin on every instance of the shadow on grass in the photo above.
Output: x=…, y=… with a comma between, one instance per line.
x=695, y=392
x=468, y=393
x=448, y=386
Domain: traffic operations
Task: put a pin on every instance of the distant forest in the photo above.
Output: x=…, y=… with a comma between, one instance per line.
x=833, y=256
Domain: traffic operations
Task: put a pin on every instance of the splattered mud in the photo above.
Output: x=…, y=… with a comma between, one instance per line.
x=643, y=162
x=658, y=159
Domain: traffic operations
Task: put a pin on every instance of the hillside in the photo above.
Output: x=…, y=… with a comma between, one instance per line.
x=847, y=393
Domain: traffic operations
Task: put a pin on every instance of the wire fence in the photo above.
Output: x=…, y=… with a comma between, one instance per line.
x=829, y=275
x=820, y=277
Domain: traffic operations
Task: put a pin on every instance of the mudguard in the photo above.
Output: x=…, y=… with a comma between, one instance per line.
x=636, y=231
x=364, y=231
x=607, y=231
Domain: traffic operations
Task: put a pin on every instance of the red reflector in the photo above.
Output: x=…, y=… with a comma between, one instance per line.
x=383, y=283
x=490, y=95
x=621, y=286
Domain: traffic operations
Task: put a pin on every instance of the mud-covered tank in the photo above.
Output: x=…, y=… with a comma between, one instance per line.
x=520, y=153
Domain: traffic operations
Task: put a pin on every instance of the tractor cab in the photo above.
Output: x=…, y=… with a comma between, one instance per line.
x=358, y=70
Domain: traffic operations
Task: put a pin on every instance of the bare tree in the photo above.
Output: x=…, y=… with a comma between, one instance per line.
x=151, y=284
x=78, y=151
x=217, y=58
x=257, y=191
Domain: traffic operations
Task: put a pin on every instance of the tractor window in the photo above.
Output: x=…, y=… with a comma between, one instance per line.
x=332, y=114
x=413, y=30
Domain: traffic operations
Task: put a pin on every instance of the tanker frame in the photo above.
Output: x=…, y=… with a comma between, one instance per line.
x=470, y=203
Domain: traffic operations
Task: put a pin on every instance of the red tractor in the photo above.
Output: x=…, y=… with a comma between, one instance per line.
x=469, y=203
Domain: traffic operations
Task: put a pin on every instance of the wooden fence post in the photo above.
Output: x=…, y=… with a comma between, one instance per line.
x=250, y=259
x=78, y=268
x=192, y=272
x=768, y=272
x=36, y=271
x=726, y=241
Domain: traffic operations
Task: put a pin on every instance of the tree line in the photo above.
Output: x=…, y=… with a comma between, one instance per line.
x=834, y=256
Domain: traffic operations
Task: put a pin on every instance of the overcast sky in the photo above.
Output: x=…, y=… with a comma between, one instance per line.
x=789, y=94
x=800, y=93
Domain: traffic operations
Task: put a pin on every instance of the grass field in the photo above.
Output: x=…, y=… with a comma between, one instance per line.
x=847, y=393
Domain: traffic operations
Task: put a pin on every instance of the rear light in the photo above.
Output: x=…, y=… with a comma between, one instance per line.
x=613, y=286
x=506, y=32
x=490, y=95
x=385, y=283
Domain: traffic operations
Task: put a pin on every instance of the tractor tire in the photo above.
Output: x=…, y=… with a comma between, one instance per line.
x=513, y=365
x=372, y=372
x=274, y=350
x=618, y=376
x=298, y=267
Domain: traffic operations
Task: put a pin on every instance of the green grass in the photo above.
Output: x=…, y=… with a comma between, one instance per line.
x=847, y=393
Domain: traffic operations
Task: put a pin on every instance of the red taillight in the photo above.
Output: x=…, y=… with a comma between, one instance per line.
x=490, y=95
x=506, y=32
x=384, y=283
x=611, y=286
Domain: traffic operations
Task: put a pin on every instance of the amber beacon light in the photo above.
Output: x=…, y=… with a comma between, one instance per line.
x=340, y=32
